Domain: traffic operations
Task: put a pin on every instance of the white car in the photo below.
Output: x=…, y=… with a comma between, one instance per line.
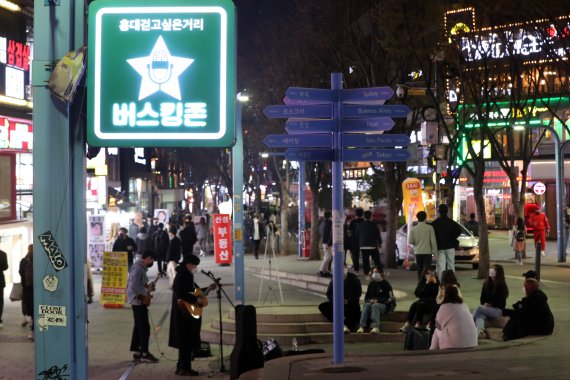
x=467, y=251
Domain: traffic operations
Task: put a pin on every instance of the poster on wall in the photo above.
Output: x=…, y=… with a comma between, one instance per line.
x=222, y=239
x=413, y=202
x=162, y=215
x=114, y=279
x=96, y=238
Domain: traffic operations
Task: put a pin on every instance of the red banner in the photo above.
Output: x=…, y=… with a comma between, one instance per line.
x=223, y=238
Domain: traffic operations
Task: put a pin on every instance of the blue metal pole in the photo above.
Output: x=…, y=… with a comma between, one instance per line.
x=337, y=188
x=59, y=202
x=237, y=176
x=301, y=205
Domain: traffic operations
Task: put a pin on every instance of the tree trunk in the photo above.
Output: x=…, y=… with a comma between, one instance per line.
x=315, y=255
x=392, y=214
x=284, y=241
x=484, y=258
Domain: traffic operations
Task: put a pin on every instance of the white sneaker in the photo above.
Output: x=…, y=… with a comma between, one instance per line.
x=543, y=253
x=360, y=330
x=346, y=330
x=375, y=330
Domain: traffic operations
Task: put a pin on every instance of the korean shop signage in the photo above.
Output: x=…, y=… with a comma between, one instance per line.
x=161, y=73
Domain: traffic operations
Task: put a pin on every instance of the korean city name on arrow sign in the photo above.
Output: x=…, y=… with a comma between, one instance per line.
x=321, y=140
x=351, y=111
x=323, y=111
x=365, y=155
x=309, y=154
x=298, y=126
x=312, y=95
x=362, y=141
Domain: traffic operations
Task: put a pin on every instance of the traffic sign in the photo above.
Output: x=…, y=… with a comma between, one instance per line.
x=359, y=95
x=309, y=94
x=365, y=155
x=297, y=126
x=315, y=140
x=539, y=188
x=323, y=111
x=376, y=124
x=362, y=140
x=309, y=155
x=352, y=111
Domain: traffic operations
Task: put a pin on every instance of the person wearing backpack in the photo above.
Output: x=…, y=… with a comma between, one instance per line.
x=518, y=241
x=161, y=241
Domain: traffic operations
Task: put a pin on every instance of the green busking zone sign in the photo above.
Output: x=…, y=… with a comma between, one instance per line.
x=161, y=73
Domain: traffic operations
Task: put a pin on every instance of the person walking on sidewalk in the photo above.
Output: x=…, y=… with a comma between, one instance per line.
x=3, y=267
x=379, y=299
x=518, y=241
x=369, y=239
x=188, y=236
x=493, y=298
x=446, y=233
x=422, y=238
x=138, y=292
x=203, y=231
x=355, y=249
x=160, y=242
x=173, y=254
x=541, y=228
x=125, y=243
x=258, y=235
x=26, y=271
x=325, y=230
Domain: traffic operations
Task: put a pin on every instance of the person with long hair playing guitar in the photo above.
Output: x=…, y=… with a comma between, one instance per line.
x=185, y=315
x=138, y=291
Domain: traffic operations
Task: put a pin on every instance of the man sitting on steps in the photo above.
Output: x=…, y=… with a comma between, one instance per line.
x=352, y=293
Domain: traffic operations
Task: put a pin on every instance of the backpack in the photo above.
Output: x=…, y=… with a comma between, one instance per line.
x=519, y=235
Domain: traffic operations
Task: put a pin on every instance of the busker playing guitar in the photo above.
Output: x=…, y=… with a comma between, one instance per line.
x=185, y=327
x=139, y=293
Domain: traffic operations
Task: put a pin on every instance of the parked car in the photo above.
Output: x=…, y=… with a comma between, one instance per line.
x=467, y=251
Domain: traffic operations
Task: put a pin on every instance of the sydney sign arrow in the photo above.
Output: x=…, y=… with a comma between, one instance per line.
x=357, y=95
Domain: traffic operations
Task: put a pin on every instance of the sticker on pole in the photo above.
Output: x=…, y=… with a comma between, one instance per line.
x=52, y=250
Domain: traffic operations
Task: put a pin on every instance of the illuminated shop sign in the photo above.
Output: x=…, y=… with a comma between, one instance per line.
x=16, y=134
x=14, y=68
x=161, y=73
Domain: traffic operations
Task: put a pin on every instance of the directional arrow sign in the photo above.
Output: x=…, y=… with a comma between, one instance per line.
x=309, y=94
x=309, y=155
x=355, y=95
x=352, y=111
x=323, y=111
x=372, y=141
x=310, y=126
x=365, y=155
x=367, y=125
x=322, y=140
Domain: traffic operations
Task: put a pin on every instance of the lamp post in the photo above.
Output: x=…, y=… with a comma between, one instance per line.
x=237, y=190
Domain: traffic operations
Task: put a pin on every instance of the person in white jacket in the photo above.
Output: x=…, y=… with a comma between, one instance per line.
x=454, y=326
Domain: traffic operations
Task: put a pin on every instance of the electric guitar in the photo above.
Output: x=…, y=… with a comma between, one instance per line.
x=195, y=309
x=150, y=287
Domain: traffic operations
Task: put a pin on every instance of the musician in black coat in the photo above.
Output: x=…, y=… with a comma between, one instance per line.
x=185, y=328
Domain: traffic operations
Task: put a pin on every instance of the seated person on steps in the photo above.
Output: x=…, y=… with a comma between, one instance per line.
x=352, y=293
x=454, y=325
x=426, y=291
x=379, y=299
x=493, y=299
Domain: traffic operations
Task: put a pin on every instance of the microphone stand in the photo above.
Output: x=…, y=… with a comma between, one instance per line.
x=219, y=291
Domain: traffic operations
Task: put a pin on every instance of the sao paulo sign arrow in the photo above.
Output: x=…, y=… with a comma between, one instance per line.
x=372, y=141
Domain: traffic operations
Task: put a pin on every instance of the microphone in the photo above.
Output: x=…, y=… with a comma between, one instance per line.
x=206, y=273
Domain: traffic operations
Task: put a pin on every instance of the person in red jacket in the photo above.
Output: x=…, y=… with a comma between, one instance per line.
x=541, y=228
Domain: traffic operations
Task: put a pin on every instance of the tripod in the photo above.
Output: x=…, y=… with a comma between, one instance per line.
x=270, y=241
x=219, y=291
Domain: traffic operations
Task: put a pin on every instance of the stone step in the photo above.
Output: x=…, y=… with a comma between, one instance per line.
x=306, y=328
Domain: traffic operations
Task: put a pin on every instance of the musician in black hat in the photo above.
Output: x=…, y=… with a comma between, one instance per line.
x=185, y=316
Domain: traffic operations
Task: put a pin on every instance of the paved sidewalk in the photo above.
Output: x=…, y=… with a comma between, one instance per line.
x=110, y=331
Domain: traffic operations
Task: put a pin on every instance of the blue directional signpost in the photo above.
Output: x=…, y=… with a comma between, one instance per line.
x=338, y=125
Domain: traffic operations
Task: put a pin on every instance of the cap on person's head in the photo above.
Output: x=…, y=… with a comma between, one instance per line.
x=530, y=285
x=442, y=209
x=421, y=216
x=529, y=274
x=367, y=214
x=191, y=259
x=148, y=253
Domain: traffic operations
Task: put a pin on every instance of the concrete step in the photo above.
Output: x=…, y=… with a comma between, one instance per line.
x=299, y=328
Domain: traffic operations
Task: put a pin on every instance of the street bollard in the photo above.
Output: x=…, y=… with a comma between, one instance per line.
x=537, y=258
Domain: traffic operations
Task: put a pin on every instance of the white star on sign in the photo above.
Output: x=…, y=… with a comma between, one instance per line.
x=160, y=71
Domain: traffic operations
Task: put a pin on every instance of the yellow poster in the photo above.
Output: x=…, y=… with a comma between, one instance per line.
x=412, y=192
x=114, y=279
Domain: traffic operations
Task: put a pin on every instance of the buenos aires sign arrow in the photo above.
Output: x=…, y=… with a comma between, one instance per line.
x=309, y=155
x=314, y=140
x=323, y=111
x=362, y=141
x=367, y=94
x=352, y=111
x=365, y=155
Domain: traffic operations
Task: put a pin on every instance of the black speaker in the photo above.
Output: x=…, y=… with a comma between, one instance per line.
x=247, y=353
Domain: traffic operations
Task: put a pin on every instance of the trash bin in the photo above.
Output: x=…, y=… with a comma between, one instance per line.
x=307, y=243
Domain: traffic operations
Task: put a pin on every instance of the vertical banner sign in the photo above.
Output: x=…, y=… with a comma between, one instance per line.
x=96, y=238
x=412, y=192
x=223, y=239
x=114, y=279
x=174, y=60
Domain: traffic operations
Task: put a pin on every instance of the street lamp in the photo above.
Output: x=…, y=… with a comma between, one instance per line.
x=237, y=175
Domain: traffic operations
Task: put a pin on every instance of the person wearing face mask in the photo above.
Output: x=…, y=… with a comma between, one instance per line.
x=125, y=243
x=426, y=291
x=493, y=299
x=258, y=235
x=137, y=291
x=352, y=293
x=529, y=316
x=185, y=328
x=379, y=299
